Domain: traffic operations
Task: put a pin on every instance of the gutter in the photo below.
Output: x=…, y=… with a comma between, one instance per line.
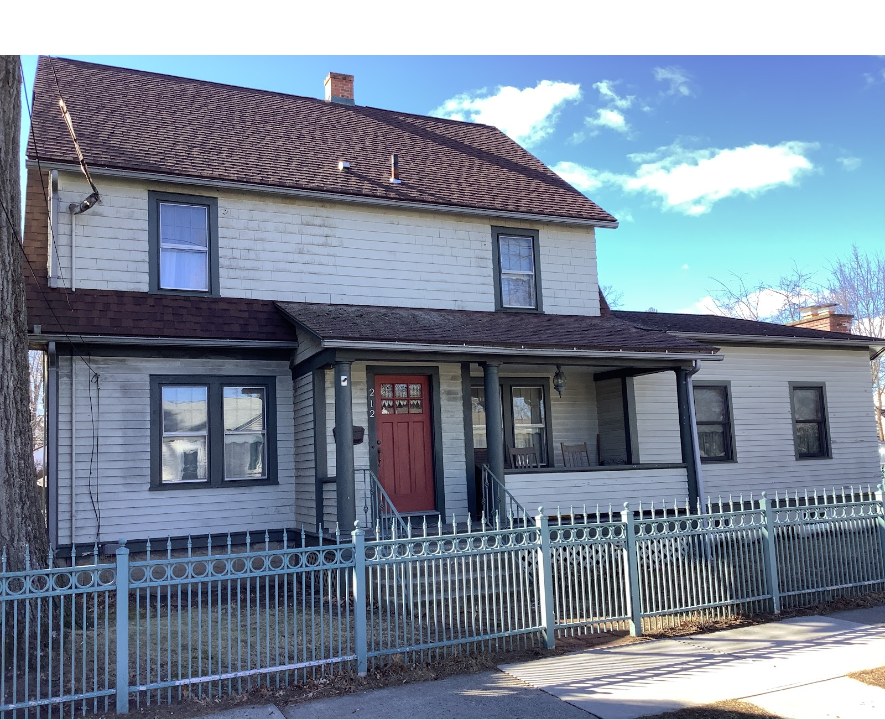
x=775, y=340
x=538, y=352
x=320, y=195
x=158, y=341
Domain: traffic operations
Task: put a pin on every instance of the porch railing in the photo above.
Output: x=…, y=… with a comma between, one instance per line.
x=498, y=500
x=380, y=516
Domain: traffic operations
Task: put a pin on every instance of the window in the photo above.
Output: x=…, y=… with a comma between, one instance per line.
x=525, y=414
x=212, y=431
x=517, y=277
x=183, y=239
x=712, y=408
x=808, y=403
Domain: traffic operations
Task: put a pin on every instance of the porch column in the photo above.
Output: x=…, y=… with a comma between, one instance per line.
x=494, y=420
x=345, y=483
x=688, y=433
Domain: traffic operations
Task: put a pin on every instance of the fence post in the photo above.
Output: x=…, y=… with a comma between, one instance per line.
x=880, y=522
x=769, y=553
x=631, y=572
x=359, y=600
x=122, y=639
x=545, y=563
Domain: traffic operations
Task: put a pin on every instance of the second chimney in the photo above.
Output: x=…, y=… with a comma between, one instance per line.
x=339, y=88
x=823, y=317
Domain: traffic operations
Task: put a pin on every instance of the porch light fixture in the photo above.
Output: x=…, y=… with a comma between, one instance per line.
x=559, y=380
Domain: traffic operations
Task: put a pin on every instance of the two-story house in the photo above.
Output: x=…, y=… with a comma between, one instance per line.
x=282, y=305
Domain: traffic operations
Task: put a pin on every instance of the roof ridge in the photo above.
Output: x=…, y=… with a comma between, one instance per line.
x=278, y=93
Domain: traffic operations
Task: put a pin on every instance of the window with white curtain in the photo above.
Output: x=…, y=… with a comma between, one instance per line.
x=184, y=247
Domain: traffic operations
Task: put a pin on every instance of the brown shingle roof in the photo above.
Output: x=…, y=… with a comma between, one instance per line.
x=141, y=121
x=133, y=314
x=720, y=325
x=490, y=329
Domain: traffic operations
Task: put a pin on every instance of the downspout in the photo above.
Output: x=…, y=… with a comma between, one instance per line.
x=73, y=249
x=51, y=450
x=73, y=449
x=696, y=449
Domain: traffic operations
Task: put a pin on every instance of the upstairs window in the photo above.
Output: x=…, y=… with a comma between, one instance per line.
x=712, y=408
x=810, y=431
x=517, y=280
x=183, y=236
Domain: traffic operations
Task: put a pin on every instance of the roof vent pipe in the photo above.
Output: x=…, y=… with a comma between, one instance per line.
x=394, y=169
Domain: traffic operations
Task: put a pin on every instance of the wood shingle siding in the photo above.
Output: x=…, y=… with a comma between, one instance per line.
x=120, y=479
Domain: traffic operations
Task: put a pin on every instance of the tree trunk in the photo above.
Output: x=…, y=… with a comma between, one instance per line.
x=22, y=524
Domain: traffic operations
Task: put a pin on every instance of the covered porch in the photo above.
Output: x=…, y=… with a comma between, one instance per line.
x=417, y=426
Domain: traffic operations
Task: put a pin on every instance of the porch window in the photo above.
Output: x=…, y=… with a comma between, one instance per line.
x=183, y=243
x=712, y=409
x=517, y=282
x=212, y=431
x=810, y=431
x=525, y=415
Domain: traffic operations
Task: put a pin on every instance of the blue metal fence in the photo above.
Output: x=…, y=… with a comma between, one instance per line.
x=220, y=620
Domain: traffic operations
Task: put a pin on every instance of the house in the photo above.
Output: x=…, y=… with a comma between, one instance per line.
x=281, y=306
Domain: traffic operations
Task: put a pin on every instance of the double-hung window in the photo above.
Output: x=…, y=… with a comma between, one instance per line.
x=212, y=431
x=713, y=416
x=525, y=415
x=183, y=238
x=517, y=278
x=810, y=432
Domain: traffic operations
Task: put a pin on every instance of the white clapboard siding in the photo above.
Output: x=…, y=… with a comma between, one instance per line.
x=291, y=249
x=116, y=468
x=305, y=467
x=603, y=487
x=657, y=418
x=610, y=411
x=573, y=416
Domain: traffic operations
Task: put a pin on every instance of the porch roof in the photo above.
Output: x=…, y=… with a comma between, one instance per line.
x=356, y=325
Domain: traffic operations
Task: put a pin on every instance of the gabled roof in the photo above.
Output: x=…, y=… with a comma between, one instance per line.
x=136, y=121
x=719, y=325
x=457, y=328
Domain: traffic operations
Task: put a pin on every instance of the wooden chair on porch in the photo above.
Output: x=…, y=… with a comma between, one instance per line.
x=524, y=458
x=575, y=455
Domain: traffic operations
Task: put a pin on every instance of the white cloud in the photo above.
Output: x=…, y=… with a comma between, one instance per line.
x=613, y=119
x=692, y=181
x=676, y=77
x=528, y=115
x=624, y=216
x=765, y=303
x=608, y=94
x=850, y=163
x=685, y=267
x=874, y=78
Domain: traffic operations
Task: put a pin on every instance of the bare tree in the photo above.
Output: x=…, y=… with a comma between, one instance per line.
x=776, y=302
x=857, y=283
x=36, y=383
x=614, y=297
x=21, y=515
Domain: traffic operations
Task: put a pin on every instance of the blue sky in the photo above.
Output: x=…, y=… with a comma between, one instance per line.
x=713, y=165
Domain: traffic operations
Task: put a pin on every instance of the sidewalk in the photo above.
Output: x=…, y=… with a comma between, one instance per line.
x=794, y=668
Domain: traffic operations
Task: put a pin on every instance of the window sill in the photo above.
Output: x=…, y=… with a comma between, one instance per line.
x=198, y=293
x=716, y=461
x=519, y=310
x=813, y=457
x=213, y=486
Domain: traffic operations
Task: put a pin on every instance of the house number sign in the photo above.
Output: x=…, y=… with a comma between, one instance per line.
x=371, y=402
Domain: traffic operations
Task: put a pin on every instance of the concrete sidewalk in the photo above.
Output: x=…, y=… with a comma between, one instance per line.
x=794, y=669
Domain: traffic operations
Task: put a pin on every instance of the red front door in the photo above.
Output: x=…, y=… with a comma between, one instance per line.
x=404, y=441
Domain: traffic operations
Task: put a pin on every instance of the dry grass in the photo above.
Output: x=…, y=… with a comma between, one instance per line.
x=722, y=709
x=876, y=676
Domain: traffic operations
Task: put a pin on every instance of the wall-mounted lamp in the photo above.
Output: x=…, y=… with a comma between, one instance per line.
x=559, y=380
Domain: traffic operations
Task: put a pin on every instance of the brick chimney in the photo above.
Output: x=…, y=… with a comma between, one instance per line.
x=339, y=88
x=823, y=317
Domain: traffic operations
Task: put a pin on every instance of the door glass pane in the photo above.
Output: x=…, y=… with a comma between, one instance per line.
x=386, y=390
x=518, y=291
x=185, y=409
x=184, y=459
x=807, y=403
x=710, y=404
x=415, y=390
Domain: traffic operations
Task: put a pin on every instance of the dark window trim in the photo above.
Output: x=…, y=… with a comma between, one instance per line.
x=507, y=385
x=731, y=445
x=825, y=423
x=154, y=200
x=497, y=231
x=439, y=475
x=215, y=383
